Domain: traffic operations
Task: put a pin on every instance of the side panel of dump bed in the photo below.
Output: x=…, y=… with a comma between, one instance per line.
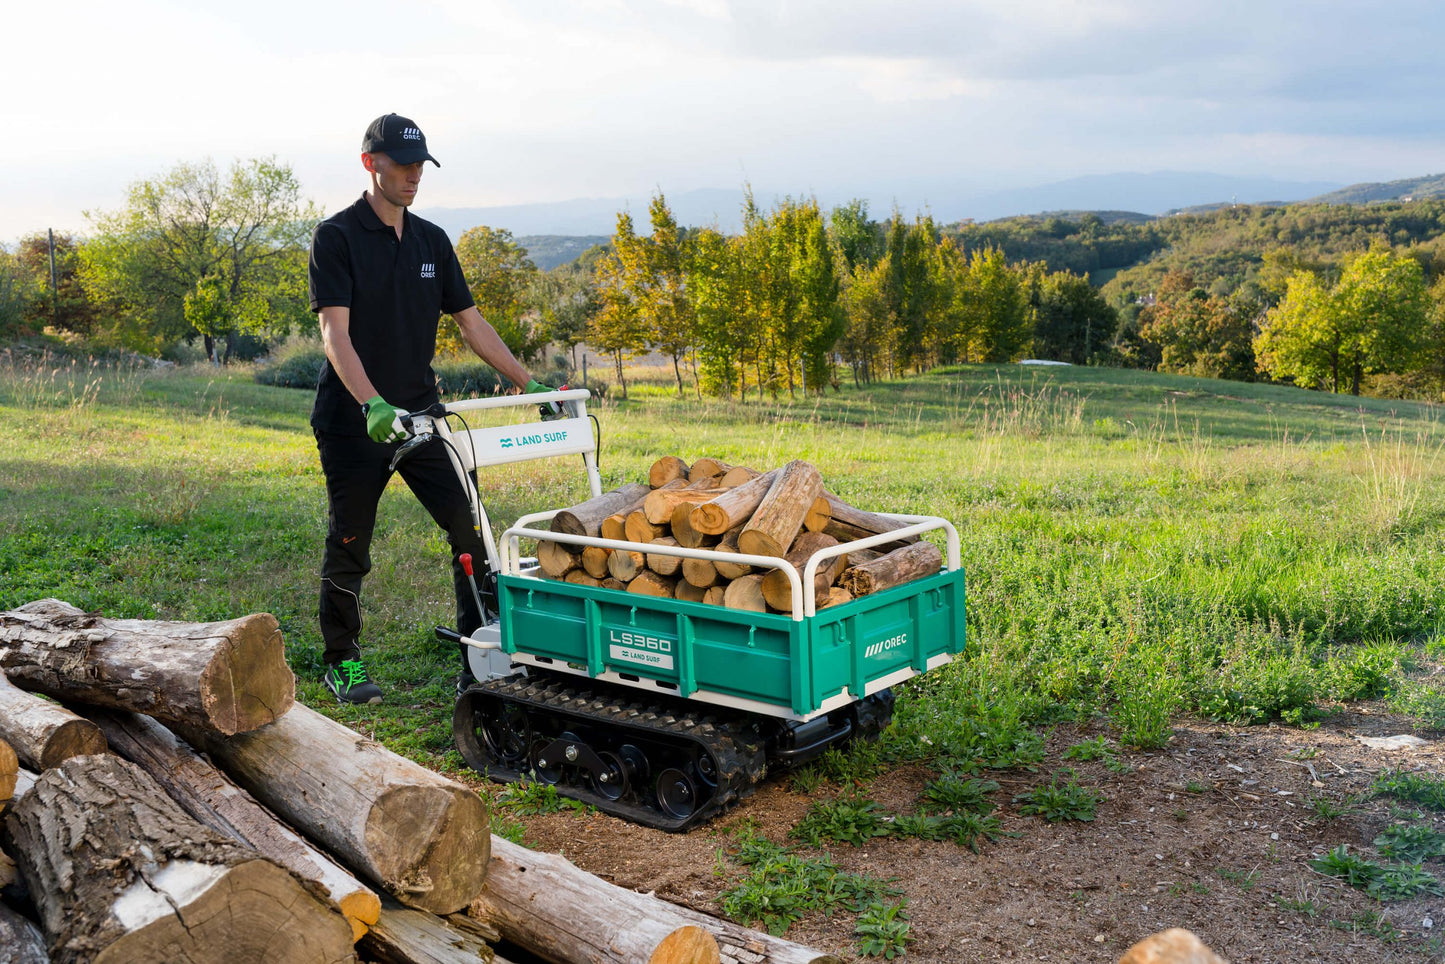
x=763, y=662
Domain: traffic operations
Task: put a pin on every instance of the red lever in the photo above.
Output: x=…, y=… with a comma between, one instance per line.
x=466, y=560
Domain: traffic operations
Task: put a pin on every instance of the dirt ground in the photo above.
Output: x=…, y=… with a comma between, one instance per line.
x=1213, y=833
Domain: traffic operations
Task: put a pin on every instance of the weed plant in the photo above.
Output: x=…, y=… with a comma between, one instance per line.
x=1055, y=801
x=1426, y=789
x=848, y=819
x=1410, y=842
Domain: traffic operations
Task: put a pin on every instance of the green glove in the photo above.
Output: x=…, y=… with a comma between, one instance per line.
x=548, y=410
x=383, y=421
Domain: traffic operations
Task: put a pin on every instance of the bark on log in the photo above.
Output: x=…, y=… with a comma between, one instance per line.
x=213, y=798
x=729, y=545
x=585, y=519
x=667, y=469
x=229, y=677
x=625, y=564
x=594, y=560
x=406, y=936
x=9, y=770
x=733, y=506
x=610, y=583
x=849, y=523
x=746, y=593
x=641, y=529
x=20, y=940
x=659, y=505
x=664, y=565
x=120, y=873
x=649, y=583
x=778, y=591
x=556, y=558
x=545, y=904
x=419, y=836
x=779, y=518
x=42, y=733
x=899, y=566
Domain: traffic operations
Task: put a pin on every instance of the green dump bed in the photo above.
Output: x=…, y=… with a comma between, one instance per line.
x=760, y=662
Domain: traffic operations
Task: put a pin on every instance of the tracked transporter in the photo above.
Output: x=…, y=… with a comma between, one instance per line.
x=659, y=710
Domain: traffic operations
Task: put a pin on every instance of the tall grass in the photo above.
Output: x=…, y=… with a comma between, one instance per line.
x=1137, y=546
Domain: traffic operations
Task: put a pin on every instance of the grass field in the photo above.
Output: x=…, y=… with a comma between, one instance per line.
x=1137, y=545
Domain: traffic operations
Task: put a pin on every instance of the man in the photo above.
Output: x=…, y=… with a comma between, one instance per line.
x=380, y=278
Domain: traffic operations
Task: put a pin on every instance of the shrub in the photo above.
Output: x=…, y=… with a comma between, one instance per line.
x=295, y=363
x=463, y=377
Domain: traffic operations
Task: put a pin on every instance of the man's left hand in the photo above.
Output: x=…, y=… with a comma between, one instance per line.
x=548, y=410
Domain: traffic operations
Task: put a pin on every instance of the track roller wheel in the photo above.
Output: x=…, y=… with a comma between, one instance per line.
x=676, y=793
x=612, y=782
x=547, y=771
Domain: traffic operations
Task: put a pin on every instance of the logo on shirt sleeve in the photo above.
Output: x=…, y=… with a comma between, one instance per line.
x=428, y=269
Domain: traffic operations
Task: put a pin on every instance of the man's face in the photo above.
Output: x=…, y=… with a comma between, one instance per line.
x=397, y=183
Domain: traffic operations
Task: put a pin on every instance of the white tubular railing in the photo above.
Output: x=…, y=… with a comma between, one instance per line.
x=804, y=604
x=509, y=401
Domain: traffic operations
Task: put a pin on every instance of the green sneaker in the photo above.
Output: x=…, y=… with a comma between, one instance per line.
x=349, y=683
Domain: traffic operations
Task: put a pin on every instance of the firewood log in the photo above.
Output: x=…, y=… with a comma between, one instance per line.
x=9, y=770
x=667, y=469
x=778, y=591
x=557, y=558
x=729, y=546
x=43, y=733
x=732, y=507
x=713, y=467
x=682, y=530
x=664, y=565
x=625, y=564
x=228, y=676
x=610, y=583
x=715, y=596
x=848, y=523
x=585, y=519
x=746, y=593
x=20, y=940
x=700, y=573
x=594, y=560
x=419, y=836
x=698, y=481
x=819, y=515
x=899, y=566
x=614, y=527
x=736, y=476
x=407, y=936
x=547, y=906
x=641, y=529
x=649, y=583
x=121, y=873
x=579, y=578
x=687, y=592
x=213, y=798
x=779, y=517
x=836, y=596
x=659, y=505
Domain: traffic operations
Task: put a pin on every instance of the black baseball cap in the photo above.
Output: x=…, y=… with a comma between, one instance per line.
x=398, y=138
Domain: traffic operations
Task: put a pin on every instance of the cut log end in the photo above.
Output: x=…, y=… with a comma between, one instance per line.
x=246, y=687
x=448, y=873
x=688, y=944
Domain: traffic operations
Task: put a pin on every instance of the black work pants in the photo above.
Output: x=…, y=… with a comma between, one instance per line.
x=357, y=471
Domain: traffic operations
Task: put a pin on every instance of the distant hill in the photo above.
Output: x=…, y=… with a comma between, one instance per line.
x=583, y=217
x=547, y=251
x=1159, y=192
x=1431, y=185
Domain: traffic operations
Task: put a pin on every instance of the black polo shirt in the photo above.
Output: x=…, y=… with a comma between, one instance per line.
x=397, y=290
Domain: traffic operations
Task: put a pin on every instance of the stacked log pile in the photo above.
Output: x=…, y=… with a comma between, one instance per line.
x=224, y=823
x=785, y=513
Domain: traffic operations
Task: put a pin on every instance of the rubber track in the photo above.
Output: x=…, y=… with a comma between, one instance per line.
x=734, y=742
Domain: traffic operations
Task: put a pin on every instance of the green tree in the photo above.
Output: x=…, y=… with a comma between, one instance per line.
x=867, y=341
x=912, y=289
x=1200, y=334
x=67, y=306
x=995, y=308
x=617, y=328
x=1371, y=321
x=566, y=298
x=718, y=288
x=1072, y=321
x=661, y=288
x=859, y=240
x=243, y=236
x=17, y=290
x=499, y=275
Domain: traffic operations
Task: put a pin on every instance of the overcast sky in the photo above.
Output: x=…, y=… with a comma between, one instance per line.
x=547, y=101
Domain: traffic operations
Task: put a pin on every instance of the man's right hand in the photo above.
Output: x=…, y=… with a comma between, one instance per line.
x=383, y=421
